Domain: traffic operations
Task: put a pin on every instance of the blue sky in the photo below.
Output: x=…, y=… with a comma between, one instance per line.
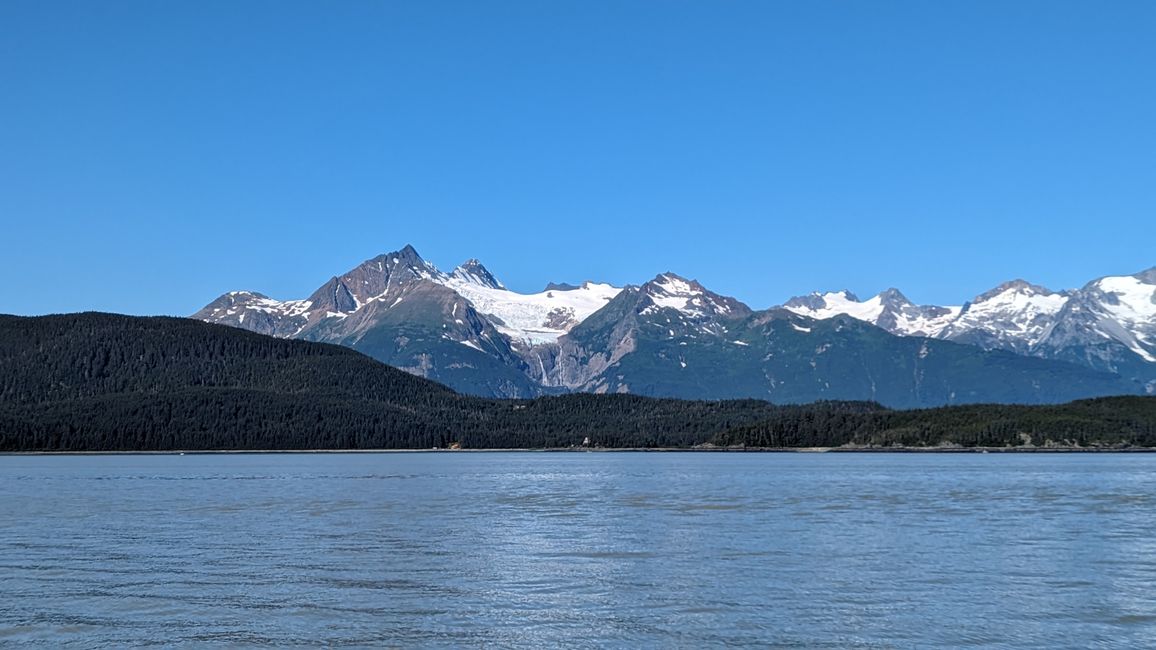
x=156, y=154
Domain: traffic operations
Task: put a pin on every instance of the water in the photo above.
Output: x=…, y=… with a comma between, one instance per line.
x=579, y=549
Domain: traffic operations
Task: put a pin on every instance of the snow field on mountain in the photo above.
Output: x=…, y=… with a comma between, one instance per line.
x=536, y=317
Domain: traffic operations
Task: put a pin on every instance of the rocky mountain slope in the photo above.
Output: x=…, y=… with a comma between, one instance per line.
x=673, y=337
x=463, y=328
x=684, y=342
x=1109, y=324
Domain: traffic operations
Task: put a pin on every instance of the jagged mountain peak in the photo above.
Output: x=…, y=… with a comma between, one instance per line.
x=1014, y=316
x=889, y=309
x=1148, y=276
x=670, y=290
x=817, y=300
x=466, y=328
x=1129, y=299
x=1108, y=324
x=406, y=258
x=409, y=254
x=237, y=299
x=472, y=271
x=673, y=284
x=374, y=279
x=893, y=296
x=1019, y=286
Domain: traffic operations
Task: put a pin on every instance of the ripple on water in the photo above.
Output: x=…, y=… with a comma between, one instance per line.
x=547, y=550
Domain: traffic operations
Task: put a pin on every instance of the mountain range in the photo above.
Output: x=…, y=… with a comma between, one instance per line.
x=673, y=337
x=1108, y=324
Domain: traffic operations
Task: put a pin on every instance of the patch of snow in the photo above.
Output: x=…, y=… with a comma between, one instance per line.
x=923, y=325
x=1136, y=301
x=1133, y=306
x=537, y=317
x=270, y=306
x=462, y=274
x=1020, y=313
x=841, y=303
x=908, y=321
x=672, y=292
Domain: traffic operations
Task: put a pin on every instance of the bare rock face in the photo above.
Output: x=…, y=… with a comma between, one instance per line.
x=256, y=312
x=396, y=308
x=1109, y=324
x=673, y=337
x=1014, y=316
x=889, y=309
x=473, y=272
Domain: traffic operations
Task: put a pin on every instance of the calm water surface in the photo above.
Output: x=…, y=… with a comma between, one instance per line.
x=582, y=549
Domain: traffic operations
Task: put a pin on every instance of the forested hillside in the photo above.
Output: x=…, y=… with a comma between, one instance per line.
x=108, y=382
x=103, y=382
x=1103, y=422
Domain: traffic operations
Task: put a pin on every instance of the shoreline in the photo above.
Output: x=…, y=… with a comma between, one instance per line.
x=711, y=450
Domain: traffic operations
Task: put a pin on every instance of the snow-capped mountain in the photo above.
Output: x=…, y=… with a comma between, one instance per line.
x=890, y=310
x=688, y=306
x=471, y=272
x=669, y=309
x=1109, y=324
x=257, y=312
x=684, y=349
x=397, y=308
x=383, y=282
x=1125, y=310
x=672, y=337
x=1014, y=316
x=383, y=278
x=403, y=310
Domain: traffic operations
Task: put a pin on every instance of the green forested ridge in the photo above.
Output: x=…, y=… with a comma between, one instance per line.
x=1105, y=421
x=106, y=382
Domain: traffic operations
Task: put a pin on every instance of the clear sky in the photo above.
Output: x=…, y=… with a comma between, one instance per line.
x=154, y=155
